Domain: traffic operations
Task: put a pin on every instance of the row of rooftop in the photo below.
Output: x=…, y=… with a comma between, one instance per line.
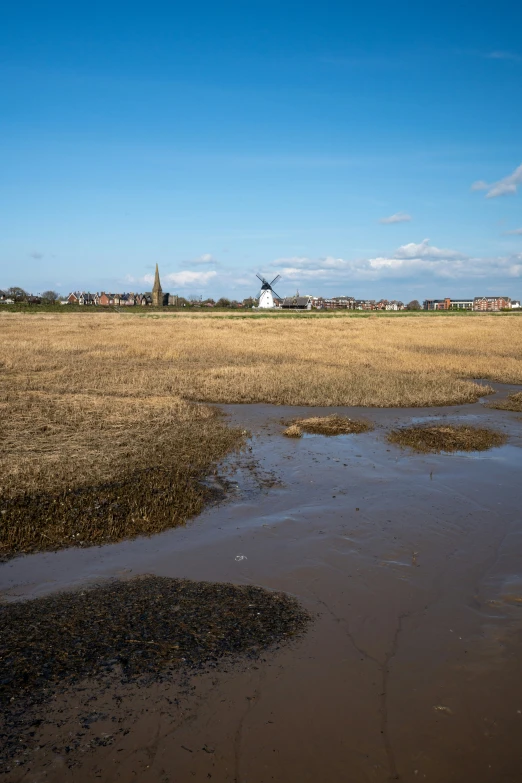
x=297, y=302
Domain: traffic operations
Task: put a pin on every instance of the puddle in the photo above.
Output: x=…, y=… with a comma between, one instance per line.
x=411, y=565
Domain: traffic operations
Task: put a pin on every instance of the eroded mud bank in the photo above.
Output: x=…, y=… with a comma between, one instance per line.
x=411, y=671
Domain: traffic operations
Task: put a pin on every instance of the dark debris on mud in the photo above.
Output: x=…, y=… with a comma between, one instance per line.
x=141, y=630
x=446, y=437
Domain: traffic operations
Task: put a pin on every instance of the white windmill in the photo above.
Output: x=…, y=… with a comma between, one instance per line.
x=267, y=293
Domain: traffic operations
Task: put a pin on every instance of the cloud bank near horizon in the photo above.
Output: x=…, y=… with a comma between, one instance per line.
x=413, y=260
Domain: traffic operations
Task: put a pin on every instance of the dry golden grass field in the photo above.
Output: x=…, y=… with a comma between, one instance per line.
x=101, y=434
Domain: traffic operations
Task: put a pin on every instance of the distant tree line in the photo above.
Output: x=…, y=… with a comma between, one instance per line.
x=198, y=301
x=21, y=295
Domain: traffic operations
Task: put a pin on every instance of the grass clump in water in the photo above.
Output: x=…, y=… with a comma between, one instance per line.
x=446, y=437
x=512, y=403
x=293, y=431
x=327, y=425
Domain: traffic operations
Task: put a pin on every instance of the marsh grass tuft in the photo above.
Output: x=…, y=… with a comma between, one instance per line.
x=293, y=431
x=512, y=403
x=446, y=437
x=328, y=425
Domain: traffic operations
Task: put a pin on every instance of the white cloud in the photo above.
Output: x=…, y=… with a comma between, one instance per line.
x=425, y=250
x=182, y=279
x=516, y=232
x=186, y=278
x=399, y=217
x=503, y=187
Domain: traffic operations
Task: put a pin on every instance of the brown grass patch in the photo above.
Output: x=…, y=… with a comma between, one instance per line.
x=446, y=437
x=380, y=362
x=512, y=403
x=327, y=425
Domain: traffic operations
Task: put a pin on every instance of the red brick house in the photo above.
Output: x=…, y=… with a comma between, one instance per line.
x=105, y=299
x=491, y=303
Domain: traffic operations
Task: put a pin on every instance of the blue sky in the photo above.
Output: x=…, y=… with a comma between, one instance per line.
x=368, y=149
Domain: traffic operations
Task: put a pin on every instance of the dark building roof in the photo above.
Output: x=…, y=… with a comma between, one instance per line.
x=296, y=301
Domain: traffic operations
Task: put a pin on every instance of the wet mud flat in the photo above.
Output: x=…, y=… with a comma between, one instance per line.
x=410, y=564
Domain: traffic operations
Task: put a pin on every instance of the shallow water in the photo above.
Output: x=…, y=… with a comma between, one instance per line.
x=411, y=564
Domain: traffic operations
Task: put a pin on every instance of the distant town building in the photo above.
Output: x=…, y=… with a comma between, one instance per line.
x=448, y=304
x=105, y=300
x=81, y=298
x=491, y=303
x=334, y=302
x=461, y=304
x=365, y=304
x=479, y=304
x=297, y=303
x=86, y=298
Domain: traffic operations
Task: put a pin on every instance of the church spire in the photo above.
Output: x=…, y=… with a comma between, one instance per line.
x=157, y=293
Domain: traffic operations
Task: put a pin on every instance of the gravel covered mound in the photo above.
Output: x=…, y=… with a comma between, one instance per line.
x=446, y=437
x=142, y=626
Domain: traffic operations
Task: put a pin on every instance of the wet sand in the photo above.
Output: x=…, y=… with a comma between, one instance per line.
x=410, y=564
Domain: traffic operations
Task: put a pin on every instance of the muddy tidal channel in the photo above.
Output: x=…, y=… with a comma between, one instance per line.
x=410, y=670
